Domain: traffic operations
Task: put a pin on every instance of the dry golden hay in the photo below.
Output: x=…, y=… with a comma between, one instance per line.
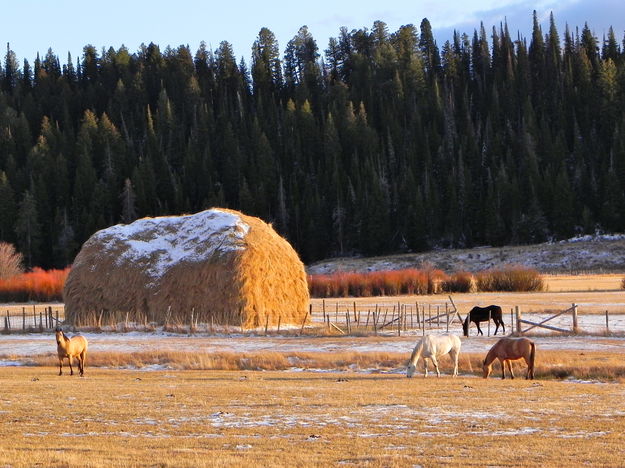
x=219, y=265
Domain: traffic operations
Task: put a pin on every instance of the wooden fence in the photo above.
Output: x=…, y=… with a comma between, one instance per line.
x=348, y=317
x=31, y=320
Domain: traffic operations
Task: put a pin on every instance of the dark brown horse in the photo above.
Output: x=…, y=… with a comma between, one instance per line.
x=483, y=314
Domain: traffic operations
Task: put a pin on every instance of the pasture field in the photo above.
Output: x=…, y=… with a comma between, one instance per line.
x=115, y=418
x=595, y=282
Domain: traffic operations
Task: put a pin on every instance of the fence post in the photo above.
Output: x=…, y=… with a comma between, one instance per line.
x=518, y=319
x=375, y=320
x=489, y=323
x=607, y=325
x=305, y=317
x=430, y=315
x=575, y=318
x=511, y=319
x=23, y=319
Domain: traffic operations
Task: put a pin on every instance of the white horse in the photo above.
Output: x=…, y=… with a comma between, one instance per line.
x=433, y=347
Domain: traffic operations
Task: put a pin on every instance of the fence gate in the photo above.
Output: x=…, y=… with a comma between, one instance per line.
x=572, y=310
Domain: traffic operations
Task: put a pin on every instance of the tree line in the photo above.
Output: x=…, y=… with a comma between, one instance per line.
x=382, y=142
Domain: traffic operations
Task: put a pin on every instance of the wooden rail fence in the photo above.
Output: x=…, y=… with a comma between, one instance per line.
x=32, y=321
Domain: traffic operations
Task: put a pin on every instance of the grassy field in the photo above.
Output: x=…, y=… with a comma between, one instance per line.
x=115, y=418
x=193, y=415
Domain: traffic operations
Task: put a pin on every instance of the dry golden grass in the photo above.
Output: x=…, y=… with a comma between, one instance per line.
x=598, y=282
x=592, y=301
x=549, y=365
x=115, y=418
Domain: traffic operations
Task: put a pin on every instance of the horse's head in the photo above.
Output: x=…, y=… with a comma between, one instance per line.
x=411, y=370
x=60, y=336
x=486, y=369
x=465, y=327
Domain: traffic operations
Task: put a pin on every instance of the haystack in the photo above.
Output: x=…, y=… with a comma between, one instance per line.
x=217, y=266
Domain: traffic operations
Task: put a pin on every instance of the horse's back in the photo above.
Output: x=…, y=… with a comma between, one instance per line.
x=483, y=312
x=514, y=347
x=442, y=344
x=79, y=343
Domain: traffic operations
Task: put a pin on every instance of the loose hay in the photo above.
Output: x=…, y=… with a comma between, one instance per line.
x=219, y=265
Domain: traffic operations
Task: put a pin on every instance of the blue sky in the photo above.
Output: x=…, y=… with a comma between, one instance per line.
x=32, y=26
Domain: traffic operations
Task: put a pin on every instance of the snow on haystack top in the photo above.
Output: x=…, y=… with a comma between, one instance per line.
x=160, y=243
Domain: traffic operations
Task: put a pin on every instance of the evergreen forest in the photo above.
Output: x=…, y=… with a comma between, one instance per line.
x=378, y=142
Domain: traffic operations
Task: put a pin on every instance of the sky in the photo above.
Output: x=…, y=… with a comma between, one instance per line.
x=33, y=26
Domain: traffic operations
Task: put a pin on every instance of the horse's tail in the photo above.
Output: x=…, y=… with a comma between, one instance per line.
x=532, y=359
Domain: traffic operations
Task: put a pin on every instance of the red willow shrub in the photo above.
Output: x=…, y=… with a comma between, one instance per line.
x=36, y=285
x=511, y=278
x=420, y=282
x=459, y=282
x=376, y=283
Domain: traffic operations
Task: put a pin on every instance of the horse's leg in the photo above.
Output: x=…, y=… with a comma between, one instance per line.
x=510, y=368
x=60, y=366
x=503, y=368
x=71, y=370
x=503, y=327
x=435, y=362
x=479, y=330
x=83, y=358
x=425, y=365
x=496, y=326
x=530, y=372
x=454, y=358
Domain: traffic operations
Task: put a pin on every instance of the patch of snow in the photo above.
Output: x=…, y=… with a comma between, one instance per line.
x=582, y=435
x=12, y=363
x=160, y=243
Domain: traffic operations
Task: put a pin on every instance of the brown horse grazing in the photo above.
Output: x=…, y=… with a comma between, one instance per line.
x=483, y=314
x=76, y=346
x=510, y=349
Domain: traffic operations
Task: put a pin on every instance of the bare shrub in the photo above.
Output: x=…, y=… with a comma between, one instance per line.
x=460, y=282
x=511, y=278
x=10, y=261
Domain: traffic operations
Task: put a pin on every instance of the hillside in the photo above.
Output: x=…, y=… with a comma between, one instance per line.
x=588, y=253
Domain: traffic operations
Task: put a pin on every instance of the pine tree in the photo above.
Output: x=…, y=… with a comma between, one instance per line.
x=28, y=229
x=128, y=201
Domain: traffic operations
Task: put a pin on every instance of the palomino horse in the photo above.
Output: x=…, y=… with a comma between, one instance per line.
x=76, y=346
x=433, y=347
x=483, y=314
x=510, y=349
